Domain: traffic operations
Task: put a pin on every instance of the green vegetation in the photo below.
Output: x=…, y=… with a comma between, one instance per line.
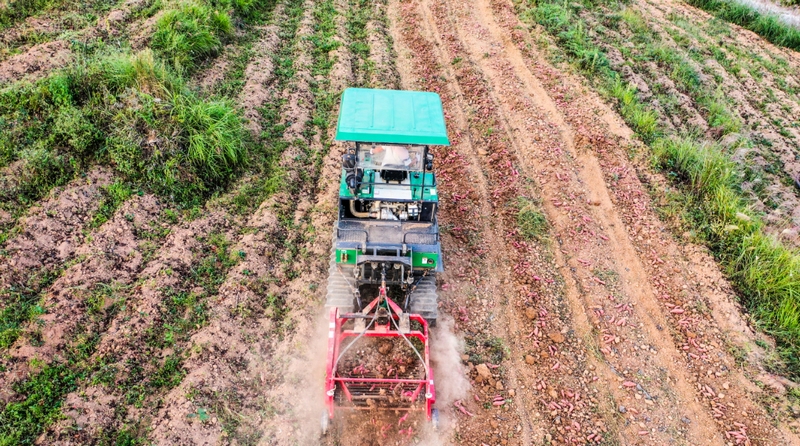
x=22, y=303
x=113, y=196
x=110, y=108
x=21, y=421
x=767, y=25
x=267, y=174
x=531, y=221
x=190, y=33
x=763, y=270
x=357, y=17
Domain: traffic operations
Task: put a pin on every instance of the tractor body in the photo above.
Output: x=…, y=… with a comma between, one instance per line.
x=385, y=255
x=388, y=201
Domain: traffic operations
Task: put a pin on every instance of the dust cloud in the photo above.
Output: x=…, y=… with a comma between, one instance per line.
x=305, y=374
x=450, y=377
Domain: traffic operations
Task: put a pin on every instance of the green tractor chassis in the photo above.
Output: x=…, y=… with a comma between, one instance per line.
x=387, y=227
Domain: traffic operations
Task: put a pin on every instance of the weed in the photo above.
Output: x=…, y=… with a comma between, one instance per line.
x=57, y=122
x=23, y=303
x=113, y=196
x=190, y=33
x=531, y=221
x=762, y=268
x=21, y=421
x=634, y=20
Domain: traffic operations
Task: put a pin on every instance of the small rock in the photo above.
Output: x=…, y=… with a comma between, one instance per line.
x=530, y=313
x=499, y=386
x=483, y=371
x=622, y=409
x=512, y=393
x=686, y=420
x=556, y=337
x=465, y=358
x=529, y=359
x=494, y=424
x=553, y=393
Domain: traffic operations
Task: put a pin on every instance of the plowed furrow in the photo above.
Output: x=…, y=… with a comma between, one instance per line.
x=526, y=297
x=598, y=270
x=112, y=258
x=656, y=251
x=49, y=235
x=269, y=296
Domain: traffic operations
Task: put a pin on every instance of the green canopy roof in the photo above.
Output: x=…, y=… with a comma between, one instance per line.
x=392, y=116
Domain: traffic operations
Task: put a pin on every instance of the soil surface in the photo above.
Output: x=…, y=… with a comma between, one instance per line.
x=606, y=327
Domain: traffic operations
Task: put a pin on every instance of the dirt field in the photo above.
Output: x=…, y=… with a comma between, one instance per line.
x=168, y=324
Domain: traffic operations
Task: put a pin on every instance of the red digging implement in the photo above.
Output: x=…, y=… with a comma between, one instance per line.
x=363, y=389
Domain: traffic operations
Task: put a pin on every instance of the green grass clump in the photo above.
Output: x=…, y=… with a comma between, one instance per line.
x=531, y=221
x=766, y=25
x=22, y=421
x=128, y=111
x=643, y=120
x=22, y=303
x=113, y=196
x=18, y=10
x=192, y=32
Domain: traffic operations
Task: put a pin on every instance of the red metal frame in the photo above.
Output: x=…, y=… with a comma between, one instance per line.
x=337, y=334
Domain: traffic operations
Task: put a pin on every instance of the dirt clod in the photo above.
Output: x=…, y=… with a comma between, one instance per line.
x=556, y=337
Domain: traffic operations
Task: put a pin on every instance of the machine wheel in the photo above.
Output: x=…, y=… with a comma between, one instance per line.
x=324, y=422
x=435, y=419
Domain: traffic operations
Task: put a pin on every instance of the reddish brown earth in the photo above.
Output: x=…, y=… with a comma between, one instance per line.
x=607, y=329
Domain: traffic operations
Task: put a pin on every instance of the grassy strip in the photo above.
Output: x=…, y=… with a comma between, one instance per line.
x=195, y=30
x=569, y=30
x=19, y=10
x=190, y=33
x=267, y=176
x=762, y=269
x=358, y=15
x=81, y=106
x=308, y=165
x=111, y=108
x=767, y=26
